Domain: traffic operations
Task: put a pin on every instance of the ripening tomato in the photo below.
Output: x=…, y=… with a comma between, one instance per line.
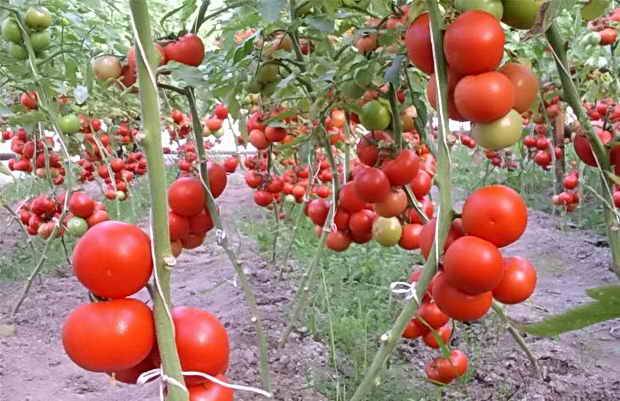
x=372, y=185
x=518, y=283
x=427, y=236
x=81, y=205
x=500, y=133
x=495, y=213
x=418, y=43
x=202, y=342
x=525, y=83
x=457, y=304
x=402, y=169
x=485, y=97
x=410, y=238
x=113, y=259
x=337, y=241
x=109, y=336
x=444, y=332
x=29, y=100
x=474, y=43
x=393, y=205
x=387, y=231
x=473, y=265
x=188, y=49
x=493, y=7
x=521, y=14
x=186, y=196
x=217, y=178
x=211, y=391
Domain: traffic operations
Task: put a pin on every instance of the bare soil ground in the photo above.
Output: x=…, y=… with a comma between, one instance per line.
x=578, y=366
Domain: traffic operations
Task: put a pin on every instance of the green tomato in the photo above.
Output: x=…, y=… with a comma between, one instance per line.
x=594, y=9
x=494, y=7
x=501, y=133
x=40, y=40
x=77, y=226
x=38, y=18
x=11, y=31
x=521, y=14
x=387, y=231
x=69, y=124
x=375, y=116
x=121, y=196
x=17, y=52
x=268, y=73
x=269, y=89
x=254, y=87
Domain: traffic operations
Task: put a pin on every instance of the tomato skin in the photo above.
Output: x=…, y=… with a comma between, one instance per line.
x=188, y=49
x=499, y=134
x=202, y=342
x=372, y=185
x=430, y=313
x=317, y=211
x=495, y=213
x=525, y=83
x=427, y=236
x=410, y=238
x=360, y=223
x=474, y=43
x=81, y=205
x=113, y=259
x=415, y=329
x=421, y=184
x=485, y=97
x=457, y=304
x=402, y=169
x=444, y=332
x=338, y=241
x=263, y=198
x=211, y=391
x=179, y=226
x=518, y=283
x=473, y=265
x=431, y=94
x=217, y=178
x=109, y=336
x=186, y=196
x=131, y=375
x=394, y=205
x=418, y=43
x=583, y=148
x=201, y=223
x=192, y=241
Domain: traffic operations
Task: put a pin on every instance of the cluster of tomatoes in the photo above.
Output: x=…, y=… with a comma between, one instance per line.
x=502, y=159
x=35, y=156
x=605, y=28
x=261, y=135
x=212, y=125
x=491, y=99
x=569, y=199
x=37, y=20
x=540, y=147
x=189, y=220
x=116, y=334
x=472, y=272
x=181, y=127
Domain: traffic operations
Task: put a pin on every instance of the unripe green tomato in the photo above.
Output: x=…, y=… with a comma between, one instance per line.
x=121, y=196
x=387, y=231
x=494, y=7
x=269, y=89
x=501, y=133
x=69, y=124
x=11, y=31
x=218, y=134
x=268, y=73
x=375, y=115
x=254, y=87
x=17, y=52
x=521, y=14
x=38, y=18
x=77, y=226
x=40, y=40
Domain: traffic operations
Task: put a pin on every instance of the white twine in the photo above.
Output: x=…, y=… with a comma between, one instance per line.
x=406, y=289
x=220, y=236
x=158, y=373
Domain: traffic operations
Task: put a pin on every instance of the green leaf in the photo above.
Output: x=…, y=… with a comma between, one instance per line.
x=188, y=9
x=271, y=9
x=190, y=76
x=546, y=14
x=606, y=307
x=323, y=24
x=594, y=9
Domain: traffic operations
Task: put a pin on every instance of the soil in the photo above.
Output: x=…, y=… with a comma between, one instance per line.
x=583, y=365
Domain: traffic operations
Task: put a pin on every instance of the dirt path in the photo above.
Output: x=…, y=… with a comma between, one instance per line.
x=34, y=367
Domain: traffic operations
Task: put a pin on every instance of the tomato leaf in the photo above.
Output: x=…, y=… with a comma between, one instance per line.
x=321, y=24
x=606, y=307
x=547, y=13
x=271, y=9
x=594, y=9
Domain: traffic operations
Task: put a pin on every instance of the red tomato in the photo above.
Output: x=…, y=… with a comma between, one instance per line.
x=360, y=223
x=403, y=169
x=518, y=283
x=188, y=49
x=186, y=196
x=584, y=149
x=338, y=241
x=201, y=223
x=202, y=342
x=97, y=217
x=525, y=83
x=410, y=238
x=459, y=361
x=440, y=370
x=431, y=94
x=253, y=179
x=415, y=329
x=495, y=213
x=109, y=336
x=217, y=178
x=473, y=265
x=221, y=111
x=275, y=134
x=179, y=226
x=484, y=98
x=372, y=185
x=29, y=100
x=192, y=241
x=263, y=198
x=230, y=164
x=393, y=205
x=418, y=43
x=81, y=205
x=317, y=211
x=258, y=139
x=430, y=314
x=474, y=43
x=457, y=304
x=349, y=199
x=113, y=259
x=427, y=236
x=341, y=219
x=444, y=332
x=367, y=150
x=427, y=207
x=421, y=184
x=211, y=391
x=131, y=375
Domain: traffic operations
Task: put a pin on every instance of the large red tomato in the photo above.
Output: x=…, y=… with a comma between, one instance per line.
x=410, y=238
x=217, y=178
x=402, y=169
x=444, y=332
x=188, y=49
x=418, y=43
x=430, y=314
x=518, y=283
x=474, y=43
x=525, y=83
x=109, y=336
x=186, y=196
x=495, y=213
x=457, y=304
x=81, y=205
x=349, y=199
x=372, y=185
x=484, y=98
x=113, y=259
x=202, y=342
x=179, y=226
x=211, y=391
x=427, y=236
x=421, y=184
x=201, y=223
x=431, y=94
x=317, y=211
x=584, y=149
x=367, y=148
x=473, y=265
x=338, y=241
x=394, y=205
